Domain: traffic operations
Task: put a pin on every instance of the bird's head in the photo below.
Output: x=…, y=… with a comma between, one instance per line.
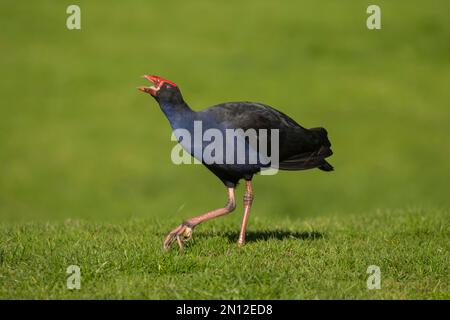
x=162, y=89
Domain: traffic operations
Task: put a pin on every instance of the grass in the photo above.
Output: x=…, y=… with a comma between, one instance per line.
x=316, y=258
x=85, y=170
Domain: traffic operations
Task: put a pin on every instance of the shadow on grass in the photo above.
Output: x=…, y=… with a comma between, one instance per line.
x=253, y=236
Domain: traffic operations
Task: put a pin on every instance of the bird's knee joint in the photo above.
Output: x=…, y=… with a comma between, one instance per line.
x=248, y=199
x=231, y=205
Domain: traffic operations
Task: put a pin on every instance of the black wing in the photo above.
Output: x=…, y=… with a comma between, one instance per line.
x=300, y=148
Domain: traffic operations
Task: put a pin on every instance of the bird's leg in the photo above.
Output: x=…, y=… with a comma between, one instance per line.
x=248, y=199
x=184, y=231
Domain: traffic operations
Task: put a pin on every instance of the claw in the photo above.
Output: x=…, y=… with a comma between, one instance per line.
x=183, y=233
x=180, y=243
x=187, y=234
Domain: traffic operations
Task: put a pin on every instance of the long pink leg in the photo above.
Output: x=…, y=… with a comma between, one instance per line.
x=184, y=231
x=248, y=199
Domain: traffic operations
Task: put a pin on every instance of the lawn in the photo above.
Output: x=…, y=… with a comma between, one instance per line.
x=319, y=258
x=86, y=177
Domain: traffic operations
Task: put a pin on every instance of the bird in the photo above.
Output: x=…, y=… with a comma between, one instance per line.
x=299, y=148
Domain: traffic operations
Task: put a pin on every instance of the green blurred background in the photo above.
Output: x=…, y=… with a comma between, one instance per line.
x=77, y=140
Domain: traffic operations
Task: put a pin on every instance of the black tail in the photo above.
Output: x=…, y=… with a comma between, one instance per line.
x=315, y=159
x=326, y=166
x=310, y=160
x=322, y=135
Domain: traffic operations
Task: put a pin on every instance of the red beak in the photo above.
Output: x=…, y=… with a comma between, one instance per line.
x=153, y=89
x=157, y=83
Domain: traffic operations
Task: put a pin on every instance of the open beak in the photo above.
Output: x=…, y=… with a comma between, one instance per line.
x=154, y=88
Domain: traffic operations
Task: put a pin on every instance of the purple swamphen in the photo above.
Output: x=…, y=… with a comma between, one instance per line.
x=298, y=148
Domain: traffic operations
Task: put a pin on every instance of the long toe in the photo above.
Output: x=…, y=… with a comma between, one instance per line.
x=181, y=234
